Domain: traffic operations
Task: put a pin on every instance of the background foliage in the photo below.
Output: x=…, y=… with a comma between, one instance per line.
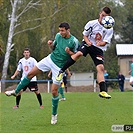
x=52, y=13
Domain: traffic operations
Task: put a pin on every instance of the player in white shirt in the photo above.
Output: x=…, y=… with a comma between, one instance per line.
x=25, y=65
x=95, y=38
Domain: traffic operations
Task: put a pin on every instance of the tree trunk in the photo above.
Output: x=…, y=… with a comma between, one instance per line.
x=9, y=45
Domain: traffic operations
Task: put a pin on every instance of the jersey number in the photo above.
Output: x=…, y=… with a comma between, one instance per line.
x=26, y=68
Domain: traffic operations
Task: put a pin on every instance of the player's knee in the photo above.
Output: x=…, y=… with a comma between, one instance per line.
x=30, y=75
x=54, y=91
x=77, y=55
x=100, y=68
x=36, y=92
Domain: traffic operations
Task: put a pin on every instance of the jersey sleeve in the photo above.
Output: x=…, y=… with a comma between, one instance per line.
x=77, y=44
x=108, y=35
x=19, y=67
x=35, y=62
x=87, y=29
x=55, y=40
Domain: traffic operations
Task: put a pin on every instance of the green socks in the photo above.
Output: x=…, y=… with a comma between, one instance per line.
x=55, y=100
x=22, y=84
x=61, y=91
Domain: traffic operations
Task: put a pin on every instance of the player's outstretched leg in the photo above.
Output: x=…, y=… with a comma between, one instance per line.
x=20, y=86
x=10, y=93
x=69, y=62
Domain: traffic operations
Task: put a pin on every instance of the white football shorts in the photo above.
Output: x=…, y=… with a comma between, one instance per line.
x=46, y=64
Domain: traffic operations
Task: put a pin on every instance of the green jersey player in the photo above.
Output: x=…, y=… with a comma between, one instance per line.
x=63, y=46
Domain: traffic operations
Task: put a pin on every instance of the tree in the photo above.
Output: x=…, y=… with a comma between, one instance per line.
x=36, y=21
x=13, y=25
x=127, y=27
x=19, y=9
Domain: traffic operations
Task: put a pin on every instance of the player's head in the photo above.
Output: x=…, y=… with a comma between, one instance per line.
x=26, y=53
x=106, y=11
x=64, y=29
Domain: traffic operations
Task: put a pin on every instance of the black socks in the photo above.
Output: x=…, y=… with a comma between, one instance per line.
x=102, y=86
x=69, y=62
x=39, y=98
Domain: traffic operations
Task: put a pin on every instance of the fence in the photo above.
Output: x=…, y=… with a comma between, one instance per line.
x=50, y=81
x=16, y=81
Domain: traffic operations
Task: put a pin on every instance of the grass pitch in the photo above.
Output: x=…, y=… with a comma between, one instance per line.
x=80, y=113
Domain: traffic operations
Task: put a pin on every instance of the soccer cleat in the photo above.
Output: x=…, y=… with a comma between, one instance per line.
x=62, y=85
x=16, y=107
x=104, y=94
x=11, y=93
x=54, y=119
x=59, y=76
x=62, y=99
x=41, y=107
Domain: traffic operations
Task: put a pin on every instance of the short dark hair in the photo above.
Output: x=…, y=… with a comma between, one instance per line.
x=107, y=10
x=64, y=25
x=27, y=49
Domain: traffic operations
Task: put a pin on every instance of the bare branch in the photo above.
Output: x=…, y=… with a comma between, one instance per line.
x=2, y=50
x=11, y=3
x=26, y=30
x=57, y=11
x=29, y=6
x=12, y=46
x=15, y=26
x=25, y=9
x=37, y=3
x=36, y=20
x=32, y=5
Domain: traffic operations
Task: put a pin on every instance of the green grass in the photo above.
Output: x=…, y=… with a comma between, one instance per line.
x=80, y=113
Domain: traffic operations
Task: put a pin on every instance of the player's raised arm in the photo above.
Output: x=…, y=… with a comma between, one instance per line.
x=50, y=44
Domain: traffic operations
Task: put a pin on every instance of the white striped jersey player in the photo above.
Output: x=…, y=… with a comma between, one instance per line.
x=96, y=32
x=26, y=65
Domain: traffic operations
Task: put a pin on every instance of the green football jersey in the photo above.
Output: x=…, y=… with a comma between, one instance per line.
x=131, y=69
x=59, y=56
